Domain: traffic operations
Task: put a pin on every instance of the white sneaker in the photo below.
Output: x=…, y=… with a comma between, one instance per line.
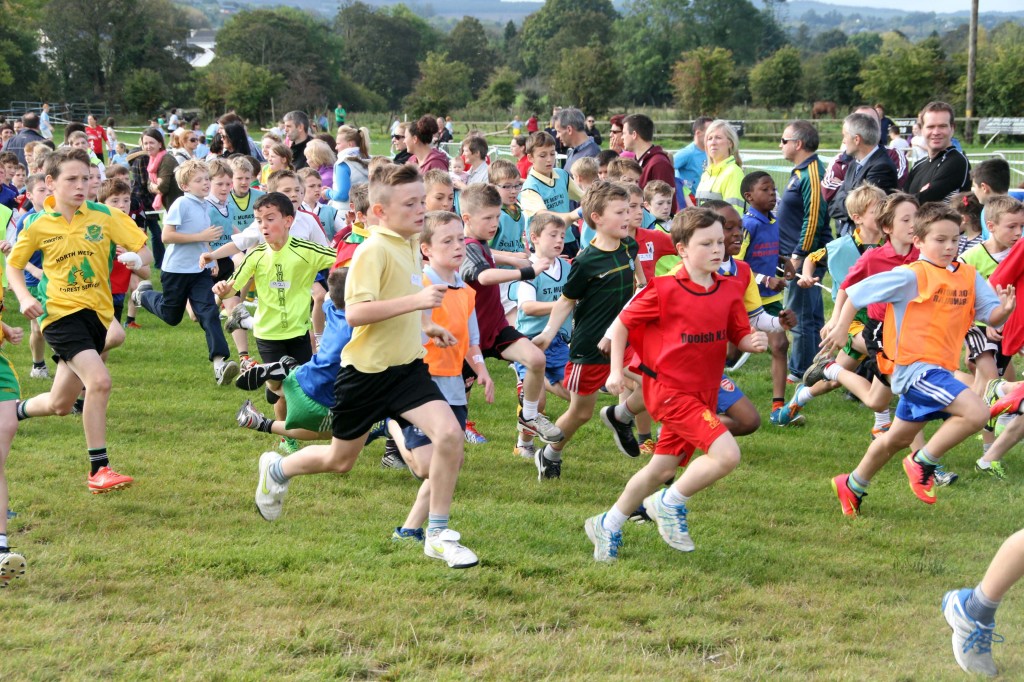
x=606, y=543
x=226, y=374
x=445, y=546
x=671, y=522
x=972, y=641
x=269, y=494
x=12, y=566
x=144, y=285
x=40, y=372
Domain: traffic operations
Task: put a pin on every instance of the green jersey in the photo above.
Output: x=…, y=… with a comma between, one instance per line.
x=283, y=280
x=601, y=283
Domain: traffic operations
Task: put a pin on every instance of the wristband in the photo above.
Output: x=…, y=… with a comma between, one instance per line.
x=527, y=273
x=479, y=359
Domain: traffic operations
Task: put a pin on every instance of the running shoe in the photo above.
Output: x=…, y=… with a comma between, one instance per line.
x=541, y=427
x=525, y=450
x=972, y=641
x=1009, y=402
x=408, y=536
x=877, y=431
x=392, y=458
x=648, y=447
x=789, y=414
x=288, y=445
x=995, y=470
x=671, y=521
x=39, y=372
x=606, y=543
x=445, y=545
x=226, y=372
x=992, y=397
x=473, y=436
x=546, y=468
x=133, y=325
x=848, y=500
x=944, y=478
x=248, y=416
x=106, y=479
x=269, y=493
x=622, y=432
x=921, y=478
x=816, y=372
x=12, y=566
x=235, y=317
x=144, y=286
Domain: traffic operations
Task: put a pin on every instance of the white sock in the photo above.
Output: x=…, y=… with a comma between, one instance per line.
x=982, y=464
x=523, y=441
x=218, y=363
x=248, y=322
x=530, y=409
x=614, y=520
x=882, y=418
x=3, y=537
x=832, y=371
x=552, y=455
x=803, y=396
x=623, y=414
x=673, y=497
x=1001, y=389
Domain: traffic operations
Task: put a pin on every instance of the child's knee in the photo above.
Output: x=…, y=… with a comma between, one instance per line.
x=727, y=456
x=534, y=359
x=100, y=383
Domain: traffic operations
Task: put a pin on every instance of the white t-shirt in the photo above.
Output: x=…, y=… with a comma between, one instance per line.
x=305, y=227
x=527, y=290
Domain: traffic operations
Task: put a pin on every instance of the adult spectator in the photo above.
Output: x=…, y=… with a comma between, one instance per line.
x=946, y=171
x=444, y=136
x=6, y=133
x=918, y=147
x=418, y=138
x=638, y=137
x=592, y=131
x=570, y=129
x=402, y=153
x=158, y=187
x=803, y=228
x=723, y=176
x=871, y=165
x=339, y=115
x=531, y=124
x=296, y=128
x=45, y=127
x=896, y=139
x=615, y=135
x=884, y=121
x=517, y=147
x=836, y=171
x=183, y=144
x=550, y=130
x=232, y=117
x=235, y=140
x=689, y=161
x=29, y=133
x=173, y=122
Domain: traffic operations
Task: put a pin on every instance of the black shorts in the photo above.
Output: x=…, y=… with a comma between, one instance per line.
x=74, y=333
x=872, y=336
x=299, y=348
x=506, y=337
x=361, y=399
x=225, y=268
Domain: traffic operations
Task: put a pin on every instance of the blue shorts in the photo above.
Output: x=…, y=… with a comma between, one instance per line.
x=929, y=397
x=728, y=394
x=414, y=438
x=556, y=357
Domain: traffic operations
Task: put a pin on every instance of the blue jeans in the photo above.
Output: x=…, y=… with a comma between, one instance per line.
x=810, y=315
x=195, y=288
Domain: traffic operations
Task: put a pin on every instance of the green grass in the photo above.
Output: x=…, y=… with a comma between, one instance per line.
x=178, y=578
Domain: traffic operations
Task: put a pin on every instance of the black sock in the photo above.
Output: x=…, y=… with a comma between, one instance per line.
x=243, y=354
x=37, y=365
x=79, y=404
x=129, y=319
x=266, y=426
x=20, y=410
x=642, y=437
x=98, y=458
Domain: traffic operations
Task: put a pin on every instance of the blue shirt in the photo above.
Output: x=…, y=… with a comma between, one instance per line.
x=37, y=258
x=189, y=215
x=316, y=377
x=899, y=287
x=689, y=164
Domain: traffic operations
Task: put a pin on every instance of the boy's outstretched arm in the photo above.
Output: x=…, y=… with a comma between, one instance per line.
x=368, y=312
x=1007, y=302
x=563, y=307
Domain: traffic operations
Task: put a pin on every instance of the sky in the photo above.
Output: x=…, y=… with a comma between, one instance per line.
x=933, y=5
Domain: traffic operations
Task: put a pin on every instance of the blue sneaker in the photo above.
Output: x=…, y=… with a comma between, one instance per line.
x=972, y=641
x=11, y=514
x=671, y=522
x=789, y=414
x=606, y=543
x=378, y=430
x=408, y=535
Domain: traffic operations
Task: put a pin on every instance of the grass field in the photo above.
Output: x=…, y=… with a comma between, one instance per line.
x=178, y=578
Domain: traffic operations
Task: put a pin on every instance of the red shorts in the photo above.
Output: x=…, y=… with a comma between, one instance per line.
x=688, y=420
x=585, y=379
x=630, y=360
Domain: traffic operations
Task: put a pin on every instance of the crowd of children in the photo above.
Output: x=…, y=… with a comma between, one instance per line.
x=380, y=292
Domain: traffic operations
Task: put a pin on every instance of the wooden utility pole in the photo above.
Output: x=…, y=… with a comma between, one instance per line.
x=972, y=58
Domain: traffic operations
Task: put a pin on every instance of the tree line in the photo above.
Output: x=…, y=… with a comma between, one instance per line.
x=700, y=56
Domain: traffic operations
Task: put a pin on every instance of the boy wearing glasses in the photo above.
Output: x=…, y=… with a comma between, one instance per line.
x=510, y=242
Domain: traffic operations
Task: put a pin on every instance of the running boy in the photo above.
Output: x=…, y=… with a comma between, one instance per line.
x=187, y=233
x=547, y=188
x=683, y=357
x=36, y=191
x=382, y=371
x=599, y=285
x=76, y=239
x=509, y=244
x=12, y=564
x=658, y=204
x=930, y=306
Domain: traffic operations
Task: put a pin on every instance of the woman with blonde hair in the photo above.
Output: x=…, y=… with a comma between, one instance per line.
x=352, y=166
x=320, y=157
x=724, y=171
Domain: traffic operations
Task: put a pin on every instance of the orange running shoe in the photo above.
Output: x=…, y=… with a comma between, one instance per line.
x=921, y=477
x=848, y=500
x=106, y=479
x=647, y=447
x=878, y=431
x=1008, y=403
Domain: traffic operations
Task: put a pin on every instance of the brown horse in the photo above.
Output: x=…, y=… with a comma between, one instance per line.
x=822, y=107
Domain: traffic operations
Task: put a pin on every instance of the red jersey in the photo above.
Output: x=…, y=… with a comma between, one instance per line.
x=653, y=245
x=872, y=262
x=97, y=136
x=686, y=352
x=524, y=165
x=1011, y=271
x=120, y=278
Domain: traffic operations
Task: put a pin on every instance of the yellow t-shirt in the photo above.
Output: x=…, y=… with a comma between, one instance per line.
x=77, y=257
x=385, y=266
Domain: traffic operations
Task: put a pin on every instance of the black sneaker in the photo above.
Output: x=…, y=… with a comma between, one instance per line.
x=640, y=515
x=257, y=375
x=392, y=458
x=625, y=441
x=545, y=467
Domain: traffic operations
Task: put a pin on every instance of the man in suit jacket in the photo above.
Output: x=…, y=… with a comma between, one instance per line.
x=871, y=164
